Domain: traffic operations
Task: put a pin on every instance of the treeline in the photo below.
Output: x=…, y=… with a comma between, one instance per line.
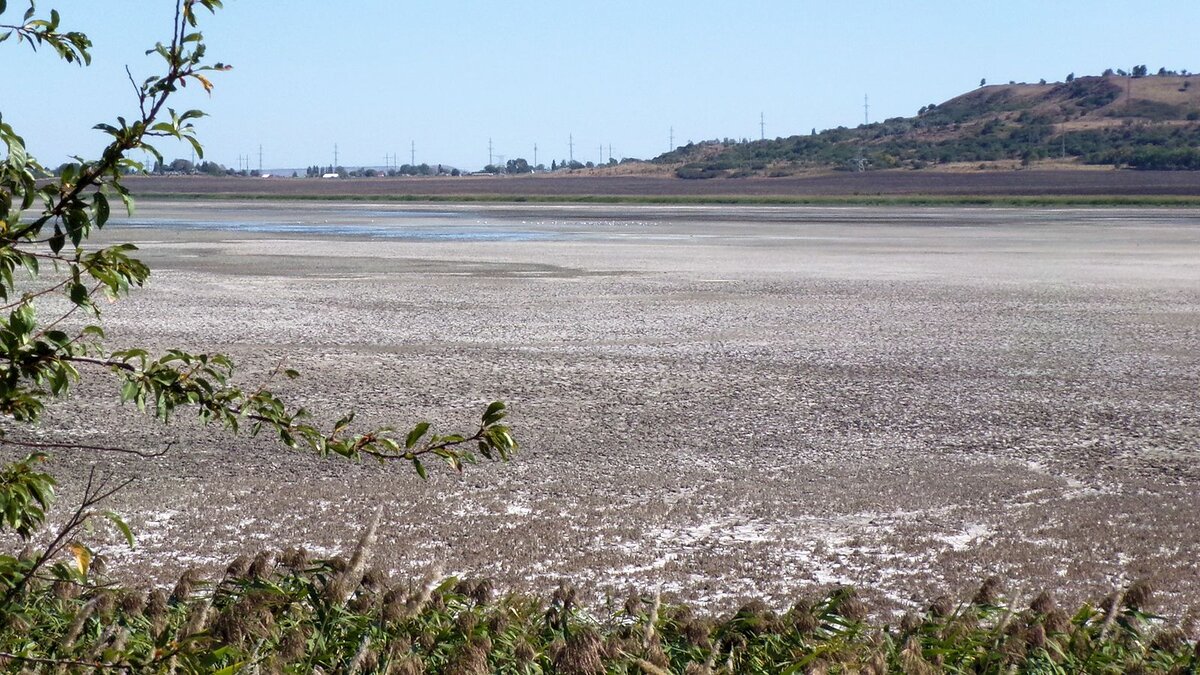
x=317, y=171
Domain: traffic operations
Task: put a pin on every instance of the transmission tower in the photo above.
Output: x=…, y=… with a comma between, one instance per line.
x=571, y=147
x=335, y=157
x=260, y=158
x=490, y=163
x=762, y=127
x=672, y=144
x=412, y=153
x=535, y=154
x=866, y=111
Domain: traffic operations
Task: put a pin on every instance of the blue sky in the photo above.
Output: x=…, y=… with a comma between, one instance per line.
x=374, y=76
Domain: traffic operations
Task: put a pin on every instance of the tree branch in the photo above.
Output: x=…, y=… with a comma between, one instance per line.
x=84, y=446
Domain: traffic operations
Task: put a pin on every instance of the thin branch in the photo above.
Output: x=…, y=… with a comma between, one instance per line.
x=137, y=91
x=50, y=326
x=176, y=71
x=84, y=446
x=107, y=363
x=90, y=498
x=30, y=296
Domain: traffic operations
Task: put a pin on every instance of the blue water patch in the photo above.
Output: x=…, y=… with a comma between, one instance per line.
x=421, y=230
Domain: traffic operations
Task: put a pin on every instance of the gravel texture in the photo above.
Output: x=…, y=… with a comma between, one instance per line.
x=717, y=402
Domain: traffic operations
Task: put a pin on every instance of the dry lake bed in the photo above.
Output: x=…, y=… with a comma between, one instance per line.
x=718, y=402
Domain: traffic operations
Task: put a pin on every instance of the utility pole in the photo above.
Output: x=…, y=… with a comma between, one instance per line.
x=762, y=127
x=672, y=144
x=601, y=153
x=610, y=153
x=335, y=157
x=866, y=111
x=412, y=153
x=260, y=159
x=535, y=155
x=489, y=152
x=571, y=147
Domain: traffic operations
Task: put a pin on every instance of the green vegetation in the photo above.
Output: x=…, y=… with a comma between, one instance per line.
x=41, y=357
x=1156, y=129
x=60, y=611
x=287, y=614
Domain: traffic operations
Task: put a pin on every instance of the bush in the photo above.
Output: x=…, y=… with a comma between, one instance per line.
x=42, y=356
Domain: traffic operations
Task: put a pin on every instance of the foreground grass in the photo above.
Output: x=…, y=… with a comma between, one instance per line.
x=701, y=200
x=286, y=614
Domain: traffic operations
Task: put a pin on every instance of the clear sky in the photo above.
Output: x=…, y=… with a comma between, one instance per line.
x=374, y=76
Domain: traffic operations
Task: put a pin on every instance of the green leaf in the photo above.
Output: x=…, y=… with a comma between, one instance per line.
x=420, y=467
x=100, y=204
x=494, y=413
x=416, y=434
x=121, y=526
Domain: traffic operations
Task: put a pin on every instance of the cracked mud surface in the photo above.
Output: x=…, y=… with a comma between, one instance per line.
x=719, y=402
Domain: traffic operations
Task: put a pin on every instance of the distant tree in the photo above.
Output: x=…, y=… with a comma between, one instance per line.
x=519, y=165
x=1070, y=77
x=455, y=172
x=182, y=166
x=982, y=81
x=1140, y=71
x=213, y=169
x=1042, y=81
x=1108, y=72
x=553, y=165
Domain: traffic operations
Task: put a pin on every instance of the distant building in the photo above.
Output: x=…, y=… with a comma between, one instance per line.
x=329, y=175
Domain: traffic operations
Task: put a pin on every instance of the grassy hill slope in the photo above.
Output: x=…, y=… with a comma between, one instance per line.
x=1150, y=122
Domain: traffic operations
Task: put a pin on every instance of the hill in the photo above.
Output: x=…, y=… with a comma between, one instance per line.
x=1145, y=122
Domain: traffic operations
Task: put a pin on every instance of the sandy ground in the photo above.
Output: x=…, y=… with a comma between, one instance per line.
x=716, y=402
